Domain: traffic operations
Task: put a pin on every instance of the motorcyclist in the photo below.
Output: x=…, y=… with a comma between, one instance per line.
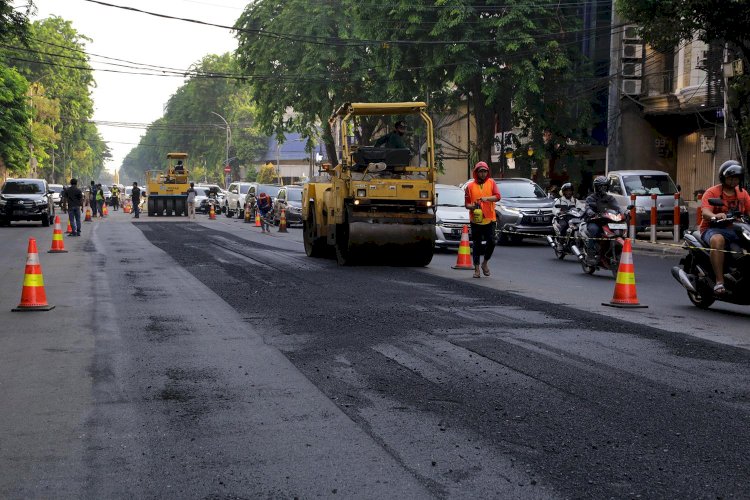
x=563, y=204
x=597, y=203
x=736, y=200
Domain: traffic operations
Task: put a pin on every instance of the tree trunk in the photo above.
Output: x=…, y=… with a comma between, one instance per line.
x=484, y=117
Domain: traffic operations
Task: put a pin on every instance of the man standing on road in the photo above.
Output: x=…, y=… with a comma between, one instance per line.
x=74, y=201
x=99, y=200
x=480, y=198
x=191, y=201
x=115, y=197
x=136, y=197
x=92, y=198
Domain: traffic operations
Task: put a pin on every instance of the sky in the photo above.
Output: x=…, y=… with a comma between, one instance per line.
x=141, y=38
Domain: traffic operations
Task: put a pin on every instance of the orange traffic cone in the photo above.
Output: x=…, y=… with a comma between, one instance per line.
x=105, y=212
x=57, y=240
x=625, y=293
x=88, y=215
x=463, y=260
x=126, y=208
x=282, y=221
x=33, y=297
x=257, y=218
x=212, y=213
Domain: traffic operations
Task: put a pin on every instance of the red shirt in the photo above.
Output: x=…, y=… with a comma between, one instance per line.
x=740, y=201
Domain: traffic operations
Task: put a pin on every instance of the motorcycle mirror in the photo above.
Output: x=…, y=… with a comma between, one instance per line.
x=716, y=202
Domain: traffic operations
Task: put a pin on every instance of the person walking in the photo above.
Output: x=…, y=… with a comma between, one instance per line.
x=74, y=201
x=191, y=201
x=99, y=200
x=115, y=197
x=136, y=197
x=92, y=198
x=480, y=197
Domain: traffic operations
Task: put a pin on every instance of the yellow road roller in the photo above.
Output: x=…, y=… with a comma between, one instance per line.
x=378, y=204
x=167, y=189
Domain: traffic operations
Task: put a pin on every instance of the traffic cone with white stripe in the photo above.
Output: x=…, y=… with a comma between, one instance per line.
x=212, y=213
x=625, y=293
x=88, y=215
x=33, y=297
x=282, y=221
x=58, y=246
x=257, y=218
x=463, y=260
x=70, y=228
x=105, y=212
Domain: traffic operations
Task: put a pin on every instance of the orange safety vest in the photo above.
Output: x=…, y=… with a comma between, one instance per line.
x=477, y=191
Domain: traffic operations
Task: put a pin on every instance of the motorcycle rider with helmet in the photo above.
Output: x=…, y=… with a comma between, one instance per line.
x=736, y=200
x=563, y=204
x=596, y=203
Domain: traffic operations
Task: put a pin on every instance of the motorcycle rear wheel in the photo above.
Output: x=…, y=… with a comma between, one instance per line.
x=701, y=301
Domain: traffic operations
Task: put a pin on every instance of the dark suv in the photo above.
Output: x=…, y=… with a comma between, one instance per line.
x=26, y=199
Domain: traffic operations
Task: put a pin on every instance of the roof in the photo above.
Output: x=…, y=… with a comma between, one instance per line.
x=292, y=149
x=380, y=108
x=177, y=156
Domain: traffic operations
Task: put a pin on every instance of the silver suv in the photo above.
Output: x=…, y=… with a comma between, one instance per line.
x=234, y=202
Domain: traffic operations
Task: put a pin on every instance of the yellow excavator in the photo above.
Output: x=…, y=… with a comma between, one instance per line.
x=167, y=189
x=378, y=204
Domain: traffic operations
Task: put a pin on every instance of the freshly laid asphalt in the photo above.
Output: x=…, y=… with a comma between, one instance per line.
x=209, y=361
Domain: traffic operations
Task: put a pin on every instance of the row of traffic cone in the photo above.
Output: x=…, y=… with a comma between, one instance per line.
x=625, y=294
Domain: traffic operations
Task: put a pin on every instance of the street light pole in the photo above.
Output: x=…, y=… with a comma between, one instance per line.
x=226, y=162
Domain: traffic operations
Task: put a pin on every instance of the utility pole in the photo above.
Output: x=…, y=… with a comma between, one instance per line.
x=226, y=156
x=614, y=121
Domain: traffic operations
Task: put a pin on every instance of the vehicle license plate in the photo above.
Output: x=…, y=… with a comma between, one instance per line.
x=539, y=218
x=665, y=222
x=19, y=212
x=456, y=232
x=618, y=226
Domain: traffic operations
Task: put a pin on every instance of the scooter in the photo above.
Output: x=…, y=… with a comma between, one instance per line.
x=562, y=243
x=608, y=246
x=696, y=275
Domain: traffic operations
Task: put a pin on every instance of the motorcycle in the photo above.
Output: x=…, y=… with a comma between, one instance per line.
x=696, y=275
x=562, y=243
x=608, y=245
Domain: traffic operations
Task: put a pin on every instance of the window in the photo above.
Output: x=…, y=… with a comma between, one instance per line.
x=519, y=189
x=294, y=195
x=614, y=185
x=644, y=185
x=452, y=197
x=245, y=188
x=282, y=195
x=23, y=187
x=233, y=188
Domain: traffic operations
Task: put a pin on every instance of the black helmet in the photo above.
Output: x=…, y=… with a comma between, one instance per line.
x=732, y=168
x=601, y=185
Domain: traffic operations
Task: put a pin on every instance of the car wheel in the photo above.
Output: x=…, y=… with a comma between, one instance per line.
x=45, y=220
x=227, y=212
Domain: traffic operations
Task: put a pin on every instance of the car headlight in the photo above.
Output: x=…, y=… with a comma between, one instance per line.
x=510, y=210
x=41, y=203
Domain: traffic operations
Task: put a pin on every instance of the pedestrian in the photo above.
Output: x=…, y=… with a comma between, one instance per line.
x=191, y=201
x=64, y=200
x=136, y=197
x=74, y=200
x=115, y=197
x=480, y=198
x=99, y=200
x=264, y=208
x=92, y=198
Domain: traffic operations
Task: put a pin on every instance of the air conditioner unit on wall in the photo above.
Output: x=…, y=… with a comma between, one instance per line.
x=631, y=87
x=708, y=144
x=630, y=33
x=632, y=51
x=632, y=69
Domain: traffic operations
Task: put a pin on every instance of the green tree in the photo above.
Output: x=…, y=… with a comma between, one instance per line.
x=15, y=119
x=667, y=23
x=267, y=174
x=14, y=22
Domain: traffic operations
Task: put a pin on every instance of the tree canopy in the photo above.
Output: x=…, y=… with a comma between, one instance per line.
x=194, y=123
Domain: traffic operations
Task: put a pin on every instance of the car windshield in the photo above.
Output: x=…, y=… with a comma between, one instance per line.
x=201, y=191
x=293, y=195
x=23, y=187
x=450, y=197
x=57, y=188
x=648, y=184
x=269, y=189
x=520, y=190
x=244, y=188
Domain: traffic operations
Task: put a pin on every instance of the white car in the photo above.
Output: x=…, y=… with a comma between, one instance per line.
x=57, y=190
x=451, y=215
x=234, y=202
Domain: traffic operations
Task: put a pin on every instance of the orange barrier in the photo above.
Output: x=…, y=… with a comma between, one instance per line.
x=88, y=215
x=33, y=296
x=625, y=294
x=282, y=221
x=58, y=246
x=463, y=259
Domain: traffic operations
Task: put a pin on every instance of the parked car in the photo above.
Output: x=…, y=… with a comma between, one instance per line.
x=451, y=216
x=524, y=209
x=26, y=199
x=644, y=183
x=57, y=190
x=201, y=199
x=289, y=198
x=234, y=202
